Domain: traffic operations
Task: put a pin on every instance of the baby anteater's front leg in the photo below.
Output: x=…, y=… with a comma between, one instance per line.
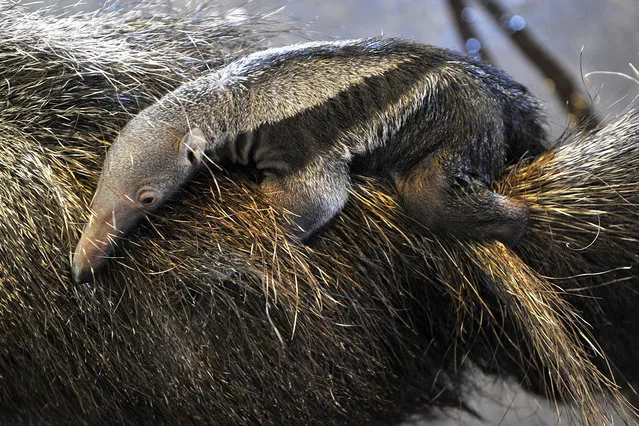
x=314, y=194
x=441, y=197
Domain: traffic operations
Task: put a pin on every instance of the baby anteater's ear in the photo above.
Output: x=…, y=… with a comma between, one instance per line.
x=192, y=147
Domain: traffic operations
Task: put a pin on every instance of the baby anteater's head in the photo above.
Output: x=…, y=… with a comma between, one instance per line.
x=145, y=166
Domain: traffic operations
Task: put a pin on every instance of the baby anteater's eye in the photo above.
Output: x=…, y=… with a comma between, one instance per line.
x=147, y=198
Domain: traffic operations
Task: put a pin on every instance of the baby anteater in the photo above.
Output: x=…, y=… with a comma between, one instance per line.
x=441, y=125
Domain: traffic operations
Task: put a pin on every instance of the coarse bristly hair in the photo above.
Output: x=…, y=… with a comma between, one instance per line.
x=211, y=314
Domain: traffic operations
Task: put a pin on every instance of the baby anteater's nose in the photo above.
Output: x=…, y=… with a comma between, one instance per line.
x=87, y=258
x=80, y=271
x=90, y=252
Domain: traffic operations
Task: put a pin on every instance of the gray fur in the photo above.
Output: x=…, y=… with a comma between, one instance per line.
x=443, y=126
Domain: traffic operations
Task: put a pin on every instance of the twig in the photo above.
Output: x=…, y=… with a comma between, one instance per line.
x=466, y=29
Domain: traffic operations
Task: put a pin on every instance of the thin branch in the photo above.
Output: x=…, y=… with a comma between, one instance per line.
x=466, y=29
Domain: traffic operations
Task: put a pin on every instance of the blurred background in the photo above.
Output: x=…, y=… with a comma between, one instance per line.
x=580, y=36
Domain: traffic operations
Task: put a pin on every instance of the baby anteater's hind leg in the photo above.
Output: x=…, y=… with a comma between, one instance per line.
x=449, y=201
x=315, y=194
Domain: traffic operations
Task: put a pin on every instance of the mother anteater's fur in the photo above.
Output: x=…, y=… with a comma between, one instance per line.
x=212, y=315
